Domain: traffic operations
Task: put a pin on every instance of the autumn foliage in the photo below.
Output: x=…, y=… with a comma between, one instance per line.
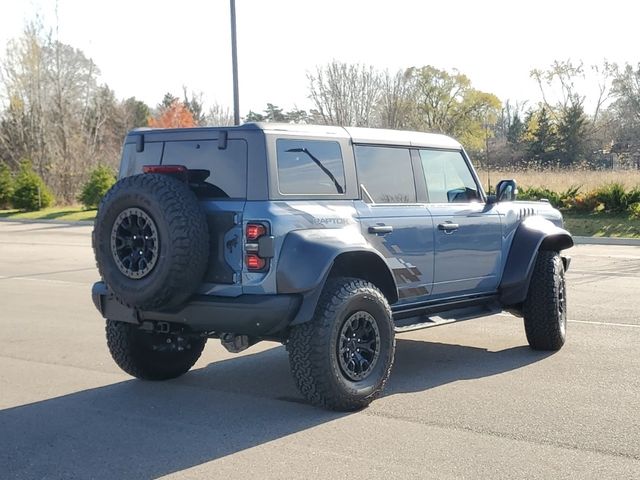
x=176, y=115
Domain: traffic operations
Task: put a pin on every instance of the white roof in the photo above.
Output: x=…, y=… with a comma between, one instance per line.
x=377, y=136
x=401, y=137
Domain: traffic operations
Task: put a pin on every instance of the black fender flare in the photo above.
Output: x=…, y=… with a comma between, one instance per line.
x=308, y=256
x=532, y=235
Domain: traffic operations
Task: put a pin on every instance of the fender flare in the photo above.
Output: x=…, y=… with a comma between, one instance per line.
x=308, y=256
x=532, y=235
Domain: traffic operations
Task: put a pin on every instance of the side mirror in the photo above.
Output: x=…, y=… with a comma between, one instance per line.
x=506, y=191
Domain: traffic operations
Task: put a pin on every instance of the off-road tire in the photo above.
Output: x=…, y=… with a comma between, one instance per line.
x=182, y=234
x=545, y=309
x=313, y=346
x=150, y=355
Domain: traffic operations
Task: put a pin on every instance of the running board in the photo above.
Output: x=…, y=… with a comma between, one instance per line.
x=418, y=322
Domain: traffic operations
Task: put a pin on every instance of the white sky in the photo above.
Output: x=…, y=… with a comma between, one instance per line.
x=146, y=48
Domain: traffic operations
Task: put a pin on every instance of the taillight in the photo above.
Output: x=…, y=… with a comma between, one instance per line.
x=254, y=262
x=164, y=169
x=253, y=233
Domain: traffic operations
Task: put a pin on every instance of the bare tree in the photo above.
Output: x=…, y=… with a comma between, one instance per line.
x=397, y=102
x=219, y=116
x=567, y=78
x=345, y=94
x=56, y=115
x=24, y=92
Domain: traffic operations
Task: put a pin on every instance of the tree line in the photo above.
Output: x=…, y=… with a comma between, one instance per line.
x=58, y=121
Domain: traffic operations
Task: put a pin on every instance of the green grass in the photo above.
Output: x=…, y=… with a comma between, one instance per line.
x=67, y=214
x=602, y=225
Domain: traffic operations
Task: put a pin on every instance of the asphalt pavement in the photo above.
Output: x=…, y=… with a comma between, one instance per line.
x=468, y=400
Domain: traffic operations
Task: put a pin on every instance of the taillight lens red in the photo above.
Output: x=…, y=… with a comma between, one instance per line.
x=255, y=231
x=254, y=262
x=164, y=169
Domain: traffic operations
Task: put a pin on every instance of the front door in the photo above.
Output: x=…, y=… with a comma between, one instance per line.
x=468, y=235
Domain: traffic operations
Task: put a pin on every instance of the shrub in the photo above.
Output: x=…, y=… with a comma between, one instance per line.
x=101, y=180
x=561, y=199
x=30, y=191
x=634, y=210
x=6, y=186
x=612, y=196
x=586, y=202
x=632, y=196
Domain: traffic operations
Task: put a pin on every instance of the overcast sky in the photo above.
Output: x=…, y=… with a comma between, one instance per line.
x=146, y=48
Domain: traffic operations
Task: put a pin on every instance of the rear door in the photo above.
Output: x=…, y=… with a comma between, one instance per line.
x=468, y=235
x=393, y=221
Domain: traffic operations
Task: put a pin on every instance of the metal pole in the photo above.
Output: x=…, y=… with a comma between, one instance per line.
x=234, y=60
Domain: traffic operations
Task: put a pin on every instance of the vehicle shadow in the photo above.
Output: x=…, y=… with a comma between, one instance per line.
x=135, y=429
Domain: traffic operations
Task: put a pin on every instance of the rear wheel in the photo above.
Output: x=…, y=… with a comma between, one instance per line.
x=342, y=358
x=545, y=309
x=151, y=355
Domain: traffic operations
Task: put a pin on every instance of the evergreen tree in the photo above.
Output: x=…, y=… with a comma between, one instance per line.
x=101, y=180
x=254, y=117
x=543, y=140
x=515, y=130
x=572, y=135
x=6, y=186
x=274, y=113
x=30, y=191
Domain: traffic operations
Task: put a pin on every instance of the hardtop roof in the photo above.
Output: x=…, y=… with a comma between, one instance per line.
x=358, y=135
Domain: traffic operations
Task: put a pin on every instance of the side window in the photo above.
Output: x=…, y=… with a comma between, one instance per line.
x=448, y=177
x=311, y=167
x=386, y=173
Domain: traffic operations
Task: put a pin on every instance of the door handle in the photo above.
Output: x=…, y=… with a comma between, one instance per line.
x=381, y=229
x=448, y=227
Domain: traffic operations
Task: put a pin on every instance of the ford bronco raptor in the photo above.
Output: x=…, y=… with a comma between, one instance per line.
x=330, y=240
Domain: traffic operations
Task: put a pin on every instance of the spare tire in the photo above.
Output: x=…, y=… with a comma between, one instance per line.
x=151, y=241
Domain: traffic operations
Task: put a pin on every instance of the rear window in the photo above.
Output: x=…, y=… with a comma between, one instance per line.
x=310, y=167
x=227, y=167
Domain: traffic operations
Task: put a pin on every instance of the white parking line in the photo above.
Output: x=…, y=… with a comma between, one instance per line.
x=46, y=280
x=606, y=323
x=506, y=314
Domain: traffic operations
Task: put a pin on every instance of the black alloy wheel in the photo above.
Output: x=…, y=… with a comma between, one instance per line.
x=134, y=243
x=359, y=346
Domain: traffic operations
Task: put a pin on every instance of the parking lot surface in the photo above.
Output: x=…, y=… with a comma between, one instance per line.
x=468, y=400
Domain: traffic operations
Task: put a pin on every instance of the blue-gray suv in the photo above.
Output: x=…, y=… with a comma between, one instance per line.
x=330, y=240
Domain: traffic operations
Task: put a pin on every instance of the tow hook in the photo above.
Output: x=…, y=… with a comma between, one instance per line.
x=235, y=343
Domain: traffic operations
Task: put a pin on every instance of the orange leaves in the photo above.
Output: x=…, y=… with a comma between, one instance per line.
x=177, y=115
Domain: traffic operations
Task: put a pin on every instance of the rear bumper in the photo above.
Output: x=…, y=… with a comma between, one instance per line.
x=254, y=315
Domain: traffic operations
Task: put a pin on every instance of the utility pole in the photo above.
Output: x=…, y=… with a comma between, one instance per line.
x=234, y=60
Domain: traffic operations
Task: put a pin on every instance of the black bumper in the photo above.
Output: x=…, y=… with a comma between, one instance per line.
x=254, y=315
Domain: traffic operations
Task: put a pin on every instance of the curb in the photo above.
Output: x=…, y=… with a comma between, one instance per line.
x=606, y=241
x=78, y=223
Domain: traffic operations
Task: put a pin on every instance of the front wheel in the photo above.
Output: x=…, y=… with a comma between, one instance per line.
x=342, y=358
x=545, y=309
x=151, y=355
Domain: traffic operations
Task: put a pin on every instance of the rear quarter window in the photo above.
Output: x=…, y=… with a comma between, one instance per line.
x=310, y=167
